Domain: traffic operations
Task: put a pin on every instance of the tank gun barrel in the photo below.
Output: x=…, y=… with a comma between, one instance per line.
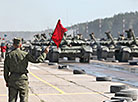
x=110, y=37
x=93, y=37
x=37, y=36
x=43, y=35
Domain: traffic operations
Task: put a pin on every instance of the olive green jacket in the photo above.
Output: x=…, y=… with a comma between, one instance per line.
x=17, y=62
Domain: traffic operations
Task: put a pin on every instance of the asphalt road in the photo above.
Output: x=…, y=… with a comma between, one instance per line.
x=122, y=72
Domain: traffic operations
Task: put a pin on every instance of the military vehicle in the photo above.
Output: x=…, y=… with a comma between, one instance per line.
x=94, y=44
x=71, y=48
x=110, y=44
x=26, y=46
x=133, y=42
x=100, y=50
x=38, y=44
x=121, y=50
x=40, y=39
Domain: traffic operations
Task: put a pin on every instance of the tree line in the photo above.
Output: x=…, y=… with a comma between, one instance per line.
x=116, y=24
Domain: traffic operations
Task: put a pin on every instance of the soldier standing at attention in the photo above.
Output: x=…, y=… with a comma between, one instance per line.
x=15, y=71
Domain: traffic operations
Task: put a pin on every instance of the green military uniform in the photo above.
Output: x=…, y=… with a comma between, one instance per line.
x=15, y=72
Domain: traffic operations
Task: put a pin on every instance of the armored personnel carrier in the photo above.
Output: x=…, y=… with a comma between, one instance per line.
x=71, y=48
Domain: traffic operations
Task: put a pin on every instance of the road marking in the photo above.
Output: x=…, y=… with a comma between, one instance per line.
x=85, y=93
x=61, y=92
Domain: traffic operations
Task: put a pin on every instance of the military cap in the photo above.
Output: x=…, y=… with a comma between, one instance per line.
x=17, y=41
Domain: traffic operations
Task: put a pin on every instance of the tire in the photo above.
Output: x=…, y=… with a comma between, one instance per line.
x=128, y=99
x=134, y=93
x=62, y=66
x=130, y=91
x=127, y=93
x=117, y=88
x=115, y=100
x=54, y=57
x=79, y=72
x=103, y=79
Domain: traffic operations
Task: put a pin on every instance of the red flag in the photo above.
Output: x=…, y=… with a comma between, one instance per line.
x=58, y=33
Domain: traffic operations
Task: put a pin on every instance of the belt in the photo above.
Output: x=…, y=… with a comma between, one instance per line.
x=18, y=73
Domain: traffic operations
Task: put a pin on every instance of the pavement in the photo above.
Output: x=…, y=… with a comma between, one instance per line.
x=47, y=83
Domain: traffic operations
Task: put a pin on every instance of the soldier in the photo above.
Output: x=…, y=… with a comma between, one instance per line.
x=15, y=71
x=129, y=33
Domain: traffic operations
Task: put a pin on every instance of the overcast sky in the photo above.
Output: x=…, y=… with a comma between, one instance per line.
x=38, y=15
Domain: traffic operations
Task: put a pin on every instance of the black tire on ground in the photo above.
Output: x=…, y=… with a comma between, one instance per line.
x=79, y=72
x=115, y=100
x=117, y=88
x=131, y=94
x=54, y=57
x=62, y=66
x=103, y=79
x=128, y=99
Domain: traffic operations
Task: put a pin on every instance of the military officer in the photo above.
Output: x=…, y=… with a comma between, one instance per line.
x=15, y=71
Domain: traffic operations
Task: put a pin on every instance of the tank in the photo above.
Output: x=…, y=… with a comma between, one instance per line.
x=110, y=43
x=133, y=42
x=99, y=49
x=38, y=44
x=122, y=51
x=71, y=48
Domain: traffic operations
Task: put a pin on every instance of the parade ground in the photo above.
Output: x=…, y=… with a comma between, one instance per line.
x=47, y=83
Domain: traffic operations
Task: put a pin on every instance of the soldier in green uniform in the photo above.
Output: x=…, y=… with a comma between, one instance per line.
x=15, y=71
